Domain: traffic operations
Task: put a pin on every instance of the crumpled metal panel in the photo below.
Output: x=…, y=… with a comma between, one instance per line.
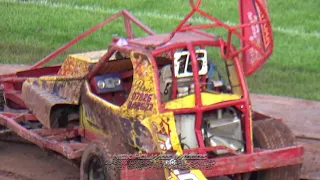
x=41, y=95
x=98, y=115
x=67, y=88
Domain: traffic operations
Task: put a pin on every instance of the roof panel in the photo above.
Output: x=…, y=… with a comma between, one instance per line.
x=179, y=37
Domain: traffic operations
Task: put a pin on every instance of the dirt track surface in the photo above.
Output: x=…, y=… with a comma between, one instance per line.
x=28, y=162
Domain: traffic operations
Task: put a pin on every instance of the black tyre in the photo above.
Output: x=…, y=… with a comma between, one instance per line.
x=97, y=163
x=274, y=134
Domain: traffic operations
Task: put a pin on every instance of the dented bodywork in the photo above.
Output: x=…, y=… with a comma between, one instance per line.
x=154, y=95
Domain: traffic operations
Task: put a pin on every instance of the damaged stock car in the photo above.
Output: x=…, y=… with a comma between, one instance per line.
x=167, y=106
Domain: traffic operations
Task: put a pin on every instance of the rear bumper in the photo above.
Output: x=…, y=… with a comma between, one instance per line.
x=256, y=161
x=259, y=160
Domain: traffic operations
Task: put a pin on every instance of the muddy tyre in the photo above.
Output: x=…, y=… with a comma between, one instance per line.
x=273, y=134
x=97, y=163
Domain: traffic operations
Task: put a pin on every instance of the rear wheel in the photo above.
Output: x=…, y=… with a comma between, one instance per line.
x=274, y=134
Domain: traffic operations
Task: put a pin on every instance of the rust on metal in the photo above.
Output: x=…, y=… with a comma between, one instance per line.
x=51, y=132
x=40, y=141
x=239, y=164
x=58, y=134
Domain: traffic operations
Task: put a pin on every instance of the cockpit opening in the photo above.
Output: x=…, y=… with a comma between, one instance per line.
x=177, y=79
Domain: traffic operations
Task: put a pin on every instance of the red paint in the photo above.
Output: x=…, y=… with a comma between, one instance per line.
x=126, y=74
x=128, y=27
x=174, y=86
x=15, y=97
x=255, y=57
x=236, y=164
x=207, y=149
x=41, y=141
x=195, y=72
x=51, y=70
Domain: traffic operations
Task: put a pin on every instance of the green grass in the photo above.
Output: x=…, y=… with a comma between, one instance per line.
x=30, y=31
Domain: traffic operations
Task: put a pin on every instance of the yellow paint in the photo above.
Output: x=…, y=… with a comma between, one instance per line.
x=64, y=87
x=207, y=99
x=251, y=131
x=73, y=66
x=143, y=93
x=89, y=57
x=163, y=124
x=78, y=64
x=86, y=122
x=174, y=138
x=60, y=78
x=144, y=84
